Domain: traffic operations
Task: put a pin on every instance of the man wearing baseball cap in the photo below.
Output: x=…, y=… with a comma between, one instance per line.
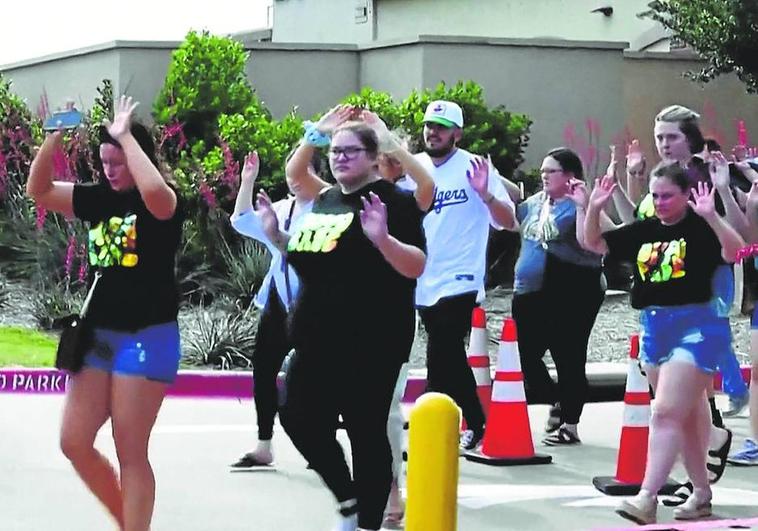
x=469, y=197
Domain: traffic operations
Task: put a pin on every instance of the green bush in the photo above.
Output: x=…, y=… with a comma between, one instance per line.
x=495, y=131
x=221, y=339
x=53, y=300
x=246, y=266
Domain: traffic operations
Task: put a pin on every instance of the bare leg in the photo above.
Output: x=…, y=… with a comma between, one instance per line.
x=135, y=405
x=754, y=384
x=679, y=388
x=695, y=447
x=86, y=410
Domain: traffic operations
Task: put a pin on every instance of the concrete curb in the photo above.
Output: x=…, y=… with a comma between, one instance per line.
x=606, y=381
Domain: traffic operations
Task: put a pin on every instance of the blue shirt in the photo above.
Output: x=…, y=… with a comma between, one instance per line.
x=556, y=234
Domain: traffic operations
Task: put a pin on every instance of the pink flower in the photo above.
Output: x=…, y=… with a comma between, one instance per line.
x=174, y=129
x=70, y=250
x=60, y=164
x=569, y=135
x=207, y=194
x=231, y=169
x=40, y=215
x=82, y=263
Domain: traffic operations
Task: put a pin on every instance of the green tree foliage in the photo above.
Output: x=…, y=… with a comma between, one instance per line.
x=723, y=32
x=488, y=130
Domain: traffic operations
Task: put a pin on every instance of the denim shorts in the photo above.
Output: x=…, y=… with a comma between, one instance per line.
x=151, y=352
x=691, y=333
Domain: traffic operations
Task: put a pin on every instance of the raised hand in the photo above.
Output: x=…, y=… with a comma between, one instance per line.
x=372, y=119
x=250, y=167
x=268, y=217
x=122, y=117
x=334, y=118
x=751, y=204
x=741, y=155
x=703, y=202
x=478, y=176
x=635, y=160
x=718, y=167
x=613, y=164
x=577, y=192
x=374, y=219
x=602, y=192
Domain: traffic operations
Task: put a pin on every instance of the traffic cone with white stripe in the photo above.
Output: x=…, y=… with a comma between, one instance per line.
x=508, y=436
x=479, y=359
x=632, y=456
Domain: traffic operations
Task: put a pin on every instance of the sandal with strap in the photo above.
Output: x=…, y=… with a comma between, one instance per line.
x=681, y=495
x=250, y=461
x=562, y=437
x=717, y=459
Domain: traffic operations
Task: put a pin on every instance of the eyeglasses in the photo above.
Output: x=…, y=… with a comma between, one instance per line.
x=550, y=171
x=350, y=152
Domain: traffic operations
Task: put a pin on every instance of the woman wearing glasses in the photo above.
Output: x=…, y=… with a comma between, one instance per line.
x=357, y=253
x=275, y=296
x=556, y=281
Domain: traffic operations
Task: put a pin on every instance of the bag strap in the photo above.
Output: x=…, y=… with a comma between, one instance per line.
x=85, y=305
x=285, y=263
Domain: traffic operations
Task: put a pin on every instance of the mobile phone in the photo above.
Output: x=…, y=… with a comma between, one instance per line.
x=67, y=120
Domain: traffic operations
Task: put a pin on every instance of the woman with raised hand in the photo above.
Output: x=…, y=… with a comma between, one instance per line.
x=136, y=218
x=556, y=281
x=357, y=253
x=676, y=253
x=274, y=298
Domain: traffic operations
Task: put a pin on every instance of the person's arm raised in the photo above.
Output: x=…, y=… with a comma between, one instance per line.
x=47, y=193
x=424, y=192
x=501, y=211
x=593, y=234
x=406, y=259
x=719, y=171
x=244, y=201
x=298, y=168
x=157, y=195
x=704, y=205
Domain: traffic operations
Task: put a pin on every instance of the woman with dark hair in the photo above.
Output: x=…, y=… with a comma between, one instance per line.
x=136, y=220
x=558, y=282
x=676, y=253
x=275, y=296
x=357, y=253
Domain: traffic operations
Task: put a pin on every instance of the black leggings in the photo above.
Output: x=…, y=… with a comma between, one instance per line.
x=271, y=346
x=447, y=323
x=559, y=321
x=323, y=383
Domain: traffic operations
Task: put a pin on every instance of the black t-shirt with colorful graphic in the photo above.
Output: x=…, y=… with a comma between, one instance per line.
x=135, y=253
x=350, y=296
x=674, y=263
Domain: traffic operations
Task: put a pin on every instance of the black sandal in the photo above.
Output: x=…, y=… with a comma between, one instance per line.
x=249, y=461
x=681, y=495
x=562, y=438
x=716, y=470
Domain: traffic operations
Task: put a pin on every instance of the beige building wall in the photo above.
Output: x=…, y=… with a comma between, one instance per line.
x=322, y=21
x=560, y=85
x=557, y=85
x=653, y=81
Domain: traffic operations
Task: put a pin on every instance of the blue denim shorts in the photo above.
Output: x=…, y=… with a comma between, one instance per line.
x=151, y=352
x=691, y=333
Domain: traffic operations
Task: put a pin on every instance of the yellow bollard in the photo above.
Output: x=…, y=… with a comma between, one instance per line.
x=433, y=464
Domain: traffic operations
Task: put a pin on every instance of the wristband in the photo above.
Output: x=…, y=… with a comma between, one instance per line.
x=314, y=137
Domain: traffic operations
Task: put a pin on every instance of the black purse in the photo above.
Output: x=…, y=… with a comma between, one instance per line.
x=76, y=338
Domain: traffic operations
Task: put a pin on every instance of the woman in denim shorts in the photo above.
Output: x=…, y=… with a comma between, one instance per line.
x=676, y=254
x=135, y=219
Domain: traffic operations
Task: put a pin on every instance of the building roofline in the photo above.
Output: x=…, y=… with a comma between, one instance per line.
x=421, y=39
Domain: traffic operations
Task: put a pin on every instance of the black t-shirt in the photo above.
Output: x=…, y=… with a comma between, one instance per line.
x=134, y=252
x=350, y=297
x=674, y=263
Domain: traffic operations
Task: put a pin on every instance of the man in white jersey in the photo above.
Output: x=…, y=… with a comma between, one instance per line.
x=466, y=202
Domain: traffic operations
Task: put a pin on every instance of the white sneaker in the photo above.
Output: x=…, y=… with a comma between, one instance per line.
x=346, y=523
x=693, y=509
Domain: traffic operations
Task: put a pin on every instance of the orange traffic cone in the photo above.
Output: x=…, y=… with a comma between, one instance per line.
x=508, y=436
x=479, y=359
x=632, y=456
